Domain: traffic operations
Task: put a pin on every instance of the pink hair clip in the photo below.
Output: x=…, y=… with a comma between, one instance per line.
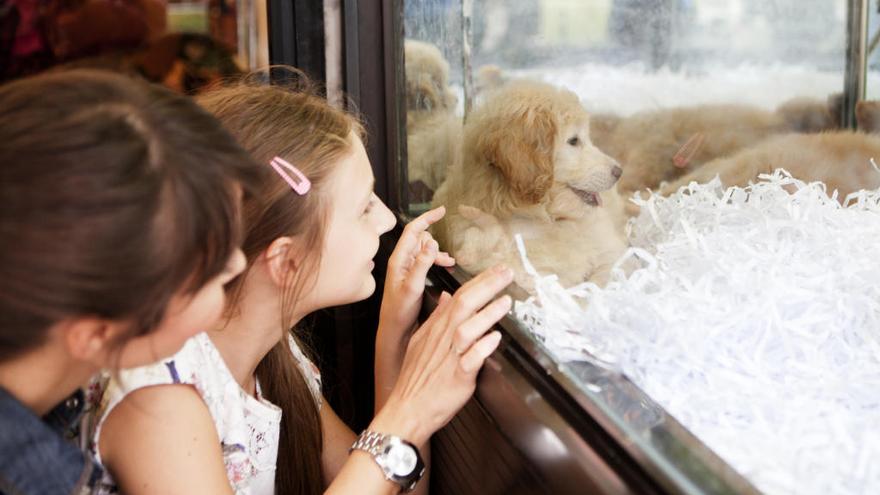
x=301, y=187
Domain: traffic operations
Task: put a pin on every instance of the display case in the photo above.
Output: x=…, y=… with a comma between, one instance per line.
x=542, y=420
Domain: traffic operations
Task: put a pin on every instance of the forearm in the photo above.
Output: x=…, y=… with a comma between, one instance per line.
x=389, y=359
x=361, y=475
x=390, y=351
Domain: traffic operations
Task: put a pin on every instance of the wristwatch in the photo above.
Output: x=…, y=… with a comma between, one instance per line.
x=400, y=460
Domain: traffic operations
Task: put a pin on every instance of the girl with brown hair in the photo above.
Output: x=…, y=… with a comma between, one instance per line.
x=311, y=231
x=119, y=226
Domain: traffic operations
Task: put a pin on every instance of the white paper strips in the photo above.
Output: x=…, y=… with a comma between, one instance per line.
x=754, y=320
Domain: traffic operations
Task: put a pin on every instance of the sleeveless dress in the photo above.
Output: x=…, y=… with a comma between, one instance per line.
x=248, y=426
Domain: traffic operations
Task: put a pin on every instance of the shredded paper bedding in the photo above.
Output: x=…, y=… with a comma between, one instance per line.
x=753, y=319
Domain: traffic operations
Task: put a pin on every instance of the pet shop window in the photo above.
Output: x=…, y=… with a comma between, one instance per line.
x=734, y=344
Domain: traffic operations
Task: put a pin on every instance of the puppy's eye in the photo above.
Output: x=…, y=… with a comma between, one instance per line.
x=574, y=140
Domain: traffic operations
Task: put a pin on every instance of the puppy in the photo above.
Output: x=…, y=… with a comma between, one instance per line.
x=662, y=145
x=842, y=160
x=433, y=130
x=528, y=167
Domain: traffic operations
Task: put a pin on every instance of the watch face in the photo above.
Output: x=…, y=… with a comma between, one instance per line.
x=401, y=460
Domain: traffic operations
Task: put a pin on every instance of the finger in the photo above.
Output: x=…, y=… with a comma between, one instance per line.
x=475, y=326
x=443, y=303
x=473, y=359
x=414, y=282
x=444, y=260
x=409, y=239
x=478, y=291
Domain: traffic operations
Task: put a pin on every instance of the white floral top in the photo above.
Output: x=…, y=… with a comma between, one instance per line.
x=248, y=427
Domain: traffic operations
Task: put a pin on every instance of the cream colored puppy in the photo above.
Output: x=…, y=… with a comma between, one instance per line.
x=433, y=130
x=528, y=167
x=842, y=160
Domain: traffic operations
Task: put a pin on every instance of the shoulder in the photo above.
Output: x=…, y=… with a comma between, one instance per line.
x=191, y=373
x=157, y=433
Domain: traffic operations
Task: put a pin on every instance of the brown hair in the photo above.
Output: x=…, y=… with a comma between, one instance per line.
x=114, y=196
x=302, y=128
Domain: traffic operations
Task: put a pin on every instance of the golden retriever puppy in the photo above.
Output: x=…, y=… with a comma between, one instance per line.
x=662, y=145
x=433, y=130
x=528, y=167
x=842, y=160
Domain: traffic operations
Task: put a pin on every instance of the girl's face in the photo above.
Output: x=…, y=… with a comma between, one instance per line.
x=187, y=315
x=357, y=218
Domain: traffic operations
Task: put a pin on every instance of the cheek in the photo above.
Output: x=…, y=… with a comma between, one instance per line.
x=180, y=325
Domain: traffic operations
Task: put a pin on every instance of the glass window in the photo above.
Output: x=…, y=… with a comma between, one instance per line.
x=544, y=117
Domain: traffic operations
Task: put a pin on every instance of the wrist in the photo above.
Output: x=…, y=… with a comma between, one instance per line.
x=393, y=338
x=396, y=418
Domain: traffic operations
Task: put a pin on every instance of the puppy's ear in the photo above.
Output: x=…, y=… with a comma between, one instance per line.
x=868, y=116
x=422, y=95
x=521, y=148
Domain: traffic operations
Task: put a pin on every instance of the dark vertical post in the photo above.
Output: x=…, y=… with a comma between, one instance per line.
x=856, y=55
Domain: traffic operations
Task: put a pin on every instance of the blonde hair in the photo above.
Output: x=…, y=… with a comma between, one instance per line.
x=297, y=125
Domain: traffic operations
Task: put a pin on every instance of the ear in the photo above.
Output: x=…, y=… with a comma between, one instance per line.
x=868, y=116
x=281, y=259
x=522, y=148
x=90, y=339
x=422, y=94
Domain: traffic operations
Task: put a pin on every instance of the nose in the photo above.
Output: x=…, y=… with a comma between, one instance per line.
x=387, y=219
x=616, y=172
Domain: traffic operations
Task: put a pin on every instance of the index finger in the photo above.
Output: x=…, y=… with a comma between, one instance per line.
x=409, y=239
x=478, y=291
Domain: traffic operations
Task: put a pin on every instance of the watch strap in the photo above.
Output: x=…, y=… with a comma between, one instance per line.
x=369, y=441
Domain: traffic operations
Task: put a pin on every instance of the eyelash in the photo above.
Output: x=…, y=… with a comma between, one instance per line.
x=369, y=207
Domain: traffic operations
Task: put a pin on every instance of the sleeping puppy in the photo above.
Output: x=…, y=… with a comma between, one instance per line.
x=662, y=145
x=433, y=130
x=528, y=167
x=842, y=160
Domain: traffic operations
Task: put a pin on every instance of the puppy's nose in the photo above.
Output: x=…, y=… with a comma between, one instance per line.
x=616, y=172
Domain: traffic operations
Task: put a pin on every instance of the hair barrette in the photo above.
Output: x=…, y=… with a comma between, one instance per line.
x=301, y=186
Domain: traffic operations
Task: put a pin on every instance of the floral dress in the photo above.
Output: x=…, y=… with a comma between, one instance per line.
x=248, y=426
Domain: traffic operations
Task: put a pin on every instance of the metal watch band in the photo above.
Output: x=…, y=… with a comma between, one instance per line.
x=368, y=441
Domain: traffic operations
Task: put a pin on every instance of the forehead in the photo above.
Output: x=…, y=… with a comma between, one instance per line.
x=354, y=175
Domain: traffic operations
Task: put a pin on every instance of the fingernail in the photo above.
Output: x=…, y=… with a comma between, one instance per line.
x=494, y=339
x=505, y=301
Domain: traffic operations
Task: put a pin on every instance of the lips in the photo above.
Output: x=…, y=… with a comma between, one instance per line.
x=588, y=197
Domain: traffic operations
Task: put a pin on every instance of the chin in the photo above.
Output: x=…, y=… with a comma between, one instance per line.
x=366, y=290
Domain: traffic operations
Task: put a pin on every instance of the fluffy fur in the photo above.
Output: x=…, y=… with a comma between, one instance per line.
x=433, y=130
x=839, y=159
x=647, y=143
x=528, y=166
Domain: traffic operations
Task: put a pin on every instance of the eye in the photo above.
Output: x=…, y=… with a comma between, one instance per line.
x=574, y=141
x=369, y=207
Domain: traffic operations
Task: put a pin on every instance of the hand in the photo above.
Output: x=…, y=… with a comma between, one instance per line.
x=408, y=266
x=443, y=358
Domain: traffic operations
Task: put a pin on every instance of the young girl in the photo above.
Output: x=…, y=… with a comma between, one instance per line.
x=118, y=230
x=312, y=230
